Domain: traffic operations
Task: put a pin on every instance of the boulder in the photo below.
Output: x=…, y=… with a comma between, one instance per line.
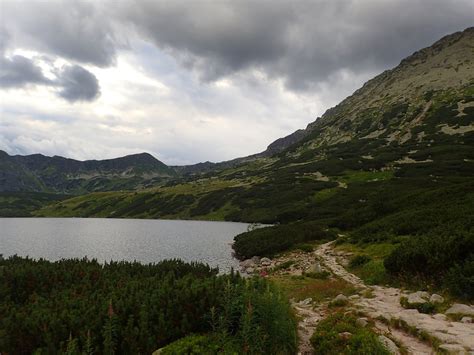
x=305, y=302
x=340, y=300
x=362, y=322
x=247, y=263
x=265, y=262
x=419, y=297
x=466, y=320
x=459, y=308
x=453, y=348
x=435, y=298
x=256, y=260
x=315, y=268
x=388, y=344
x=250, y=270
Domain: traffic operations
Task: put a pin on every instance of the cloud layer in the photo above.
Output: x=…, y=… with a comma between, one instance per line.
x=194, y=80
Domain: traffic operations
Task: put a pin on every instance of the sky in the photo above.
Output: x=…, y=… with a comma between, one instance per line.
x=196, y=80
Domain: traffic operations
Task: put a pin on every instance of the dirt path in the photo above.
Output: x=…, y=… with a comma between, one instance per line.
x=455, y=336
x=309, y=320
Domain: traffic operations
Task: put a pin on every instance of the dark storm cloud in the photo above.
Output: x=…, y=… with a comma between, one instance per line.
x=77, y=84
x=18, y=71
x=77, y=30
x=73, y=83
x=302, y=42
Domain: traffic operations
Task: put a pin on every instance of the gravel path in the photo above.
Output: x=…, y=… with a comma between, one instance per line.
x=456, y=337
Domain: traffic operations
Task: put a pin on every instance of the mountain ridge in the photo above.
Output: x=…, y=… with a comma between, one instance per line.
x=41, y=173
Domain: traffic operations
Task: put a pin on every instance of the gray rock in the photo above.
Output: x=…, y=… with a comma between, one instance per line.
x=247, y=263
x=419, y=297
x=340, y=300
x=256, y=260
x=435, y=298
x=265, y=262
x=250, y=270
x=315, y=268
x=459, y=308
x=361, y=322
x=453, y=348
x=345, y=335
x=306, y=302
x=466, y=320
x=388, y=344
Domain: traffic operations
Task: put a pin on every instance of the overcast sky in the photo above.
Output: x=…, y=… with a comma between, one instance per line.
x=190, y=81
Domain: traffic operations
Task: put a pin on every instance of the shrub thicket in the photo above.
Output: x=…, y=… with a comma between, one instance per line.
x=82, y=306
x=444, y=259
x=271, y=240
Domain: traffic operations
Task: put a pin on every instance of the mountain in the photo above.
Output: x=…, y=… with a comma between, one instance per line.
x=39, y=173
x=409, y=130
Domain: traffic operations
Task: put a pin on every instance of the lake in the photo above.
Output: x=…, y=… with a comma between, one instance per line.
x=120, y=239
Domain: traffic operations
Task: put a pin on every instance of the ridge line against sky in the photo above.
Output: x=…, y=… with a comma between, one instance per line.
x=191, y=81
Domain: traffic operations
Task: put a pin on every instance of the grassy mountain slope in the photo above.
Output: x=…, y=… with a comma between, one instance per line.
x=39, y=173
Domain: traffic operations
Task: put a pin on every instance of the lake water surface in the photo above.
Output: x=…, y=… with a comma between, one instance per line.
x=120, y=239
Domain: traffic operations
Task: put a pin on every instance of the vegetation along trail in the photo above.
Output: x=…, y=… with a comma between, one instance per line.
x=384, y=306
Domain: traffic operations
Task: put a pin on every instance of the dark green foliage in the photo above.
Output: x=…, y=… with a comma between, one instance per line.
x=122, y=307
x=21, y=204
x=460, y=279
x=327, y=339
x=271, y=240
x=192, y=345
x=307, y=248
x=444, y=259
x=359, y=260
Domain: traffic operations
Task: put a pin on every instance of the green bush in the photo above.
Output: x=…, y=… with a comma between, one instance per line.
x=460, y=279
x=271, y=240
x=307, y=248
x=359, y=260
x=432, y=256
x=327, y=339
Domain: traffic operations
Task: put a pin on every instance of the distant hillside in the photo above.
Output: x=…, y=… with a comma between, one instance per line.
x=39, y=173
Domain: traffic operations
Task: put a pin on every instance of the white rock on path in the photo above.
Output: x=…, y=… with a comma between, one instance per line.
x=418, y=297
x=435, y=298
x=389, y=344
x=462, y=309
x=453, y=348
x=265, y=262
x=362, y=322
x=247, y=263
